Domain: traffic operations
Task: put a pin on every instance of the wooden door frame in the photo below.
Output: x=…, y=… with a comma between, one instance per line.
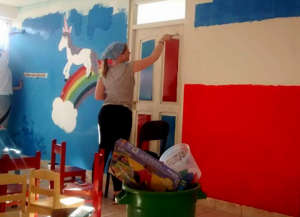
x=132, y=31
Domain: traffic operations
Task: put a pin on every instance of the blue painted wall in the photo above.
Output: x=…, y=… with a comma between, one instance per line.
x=36, y=50
x=233, y=11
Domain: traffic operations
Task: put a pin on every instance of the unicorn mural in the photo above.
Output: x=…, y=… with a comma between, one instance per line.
x=76, y=55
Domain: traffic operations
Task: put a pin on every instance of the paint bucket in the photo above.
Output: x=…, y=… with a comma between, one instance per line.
x=167, y=204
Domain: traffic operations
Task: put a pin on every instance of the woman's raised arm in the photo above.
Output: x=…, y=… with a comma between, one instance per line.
x=100, y=90
x=139, y=65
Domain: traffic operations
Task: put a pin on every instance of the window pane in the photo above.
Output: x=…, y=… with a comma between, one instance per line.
x=170, y=71
x=142, y=118
x=171, y=120
x=161, y=11
x=146, y=74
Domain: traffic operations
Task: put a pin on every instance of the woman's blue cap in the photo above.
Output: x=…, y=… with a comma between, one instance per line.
x=114, y=50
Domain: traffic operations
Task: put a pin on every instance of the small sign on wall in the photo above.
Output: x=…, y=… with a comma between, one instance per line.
x=36, y=74
x=203, y=1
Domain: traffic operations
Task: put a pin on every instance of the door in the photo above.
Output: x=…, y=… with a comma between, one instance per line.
x=158, y=88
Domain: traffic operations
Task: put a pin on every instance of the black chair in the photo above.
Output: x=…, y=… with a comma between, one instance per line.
x=154, y=130
x=151, y=130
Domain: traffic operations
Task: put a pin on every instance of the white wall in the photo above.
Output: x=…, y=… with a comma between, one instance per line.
x=54, y=6
x=265, y=52
x=8, y=12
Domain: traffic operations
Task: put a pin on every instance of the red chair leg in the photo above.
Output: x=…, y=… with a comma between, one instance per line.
x=3, y=190
x=97, y=201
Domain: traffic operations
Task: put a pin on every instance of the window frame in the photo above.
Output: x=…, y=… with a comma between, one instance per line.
x=135, y=25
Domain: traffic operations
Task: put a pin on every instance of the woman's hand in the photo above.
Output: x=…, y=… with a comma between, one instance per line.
x=20, y=86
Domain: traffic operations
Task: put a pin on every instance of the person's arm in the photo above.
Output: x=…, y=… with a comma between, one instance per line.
x=139, y=65
x=19, y=87
x=100, y=90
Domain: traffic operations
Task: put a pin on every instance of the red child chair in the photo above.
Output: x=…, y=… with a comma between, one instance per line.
x=91, y=192
x=65, y=172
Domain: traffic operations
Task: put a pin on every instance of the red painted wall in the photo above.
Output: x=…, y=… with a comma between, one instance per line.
x=246, y=140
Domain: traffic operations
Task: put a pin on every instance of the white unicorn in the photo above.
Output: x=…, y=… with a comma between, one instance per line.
x=76, y=55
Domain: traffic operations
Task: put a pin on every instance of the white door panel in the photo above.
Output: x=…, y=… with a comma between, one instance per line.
x=156, y=107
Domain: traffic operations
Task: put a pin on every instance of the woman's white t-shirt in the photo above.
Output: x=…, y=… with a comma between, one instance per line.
x=119, y=84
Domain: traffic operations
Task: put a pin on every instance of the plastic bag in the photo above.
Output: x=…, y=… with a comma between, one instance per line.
x=180, y=159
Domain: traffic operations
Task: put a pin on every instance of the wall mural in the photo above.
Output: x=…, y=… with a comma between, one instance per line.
x=77, y=88
x=221, y=12
x=76, y=55
x=65, y=46
x=81, y=84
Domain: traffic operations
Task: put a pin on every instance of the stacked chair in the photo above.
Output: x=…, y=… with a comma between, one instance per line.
x=16, y=164
x=67, y=174
x=50, y=201
x=48, y=192
x=91, y=192
x=20, y=197
x=15, y=191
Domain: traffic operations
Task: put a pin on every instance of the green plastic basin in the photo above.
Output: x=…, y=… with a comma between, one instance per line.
x=160, y=204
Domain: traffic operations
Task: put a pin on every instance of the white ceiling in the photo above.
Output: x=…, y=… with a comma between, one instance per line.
x=20, y=3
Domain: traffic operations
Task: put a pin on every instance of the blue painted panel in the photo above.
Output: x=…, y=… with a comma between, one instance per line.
x=31, y=126
x=171, y=120
x=95, y=22
x=233, y=11
x=146, y=74
x=75, y=20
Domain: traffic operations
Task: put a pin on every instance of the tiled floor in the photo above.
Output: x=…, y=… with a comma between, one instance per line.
x=110, y=210
x=204, y=208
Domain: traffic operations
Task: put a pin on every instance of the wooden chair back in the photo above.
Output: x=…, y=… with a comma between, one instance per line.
x=6, y=179
x=154, y=130
x=69, y=172
x=43, y=188
x=9, y=164
x=50, y=201
x=13, y=164
x=59, y=149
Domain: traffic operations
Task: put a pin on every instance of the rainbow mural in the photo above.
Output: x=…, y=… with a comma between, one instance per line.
x=78, y=86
